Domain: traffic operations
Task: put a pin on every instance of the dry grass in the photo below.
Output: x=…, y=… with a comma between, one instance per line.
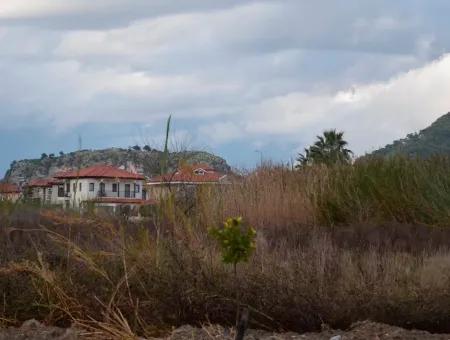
x=117, y=279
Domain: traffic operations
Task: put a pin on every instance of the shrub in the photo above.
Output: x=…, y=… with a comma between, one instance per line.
x=236, y=243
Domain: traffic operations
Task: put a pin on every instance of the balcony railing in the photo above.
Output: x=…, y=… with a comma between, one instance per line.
x=104, y=193
x=122, y=194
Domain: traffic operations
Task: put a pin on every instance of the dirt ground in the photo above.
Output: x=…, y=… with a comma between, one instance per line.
x=33, y=330
x=363, y=330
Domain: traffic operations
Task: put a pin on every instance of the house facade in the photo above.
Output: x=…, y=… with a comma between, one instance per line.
x=9, y=192
x=43, y=190
x=187, y=178
x=101, y=185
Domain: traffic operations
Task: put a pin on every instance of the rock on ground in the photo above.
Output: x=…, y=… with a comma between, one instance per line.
x=33, y=330
x=359, y=331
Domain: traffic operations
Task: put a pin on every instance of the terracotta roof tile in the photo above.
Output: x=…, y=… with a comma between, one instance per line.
x=99, y=171
x=43, y=182
x=9, y=188
x=184, y=176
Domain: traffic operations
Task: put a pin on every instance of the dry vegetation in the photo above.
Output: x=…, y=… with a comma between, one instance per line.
x=335, y=246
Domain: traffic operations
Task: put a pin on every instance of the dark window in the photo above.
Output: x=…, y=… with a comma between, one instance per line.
x=60, y=190
x=74, y=187
x=91, y=186
x=80, y=186
x=114, y=188
x=102, y=189
x=137, y=187
x=68, y=187
x=127, y=190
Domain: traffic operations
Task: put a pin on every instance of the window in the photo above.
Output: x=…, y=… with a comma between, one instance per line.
x=127, y=190
x=60, y=190
x=102, y=189
x=114, y=188
x=74, y=187
x=68, y=187
x=91, y=186
x=137, y=187
x=79, y=186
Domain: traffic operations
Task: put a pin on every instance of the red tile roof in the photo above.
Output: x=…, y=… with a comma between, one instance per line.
x=187, y=175
x=9, y=188
x=43, y=182
x=187, y=178
x=121, y=200
x=100, y=171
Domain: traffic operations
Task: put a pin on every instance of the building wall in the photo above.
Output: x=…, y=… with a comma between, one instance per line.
x=10, y=196
x=56, y=199
x=81, y=189
x=43, y=194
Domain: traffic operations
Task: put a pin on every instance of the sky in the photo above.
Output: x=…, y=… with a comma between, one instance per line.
x=243, y=79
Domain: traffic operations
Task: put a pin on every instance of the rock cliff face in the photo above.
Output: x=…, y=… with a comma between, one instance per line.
x=144, y=162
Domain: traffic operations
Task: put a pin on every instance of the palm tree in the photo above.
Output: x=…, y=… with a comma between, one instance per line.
x=303, y=159
x=329, y=149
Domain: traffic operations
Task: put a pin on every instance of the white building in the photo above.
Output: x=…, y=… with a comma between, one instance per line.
x=100, y=185
x=185, y=179
x=9, y=192
x=43, y=190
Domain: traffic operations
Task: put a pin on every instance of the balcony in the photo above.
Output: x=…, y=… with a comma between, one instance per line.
x=122, y=194
x=62, y=194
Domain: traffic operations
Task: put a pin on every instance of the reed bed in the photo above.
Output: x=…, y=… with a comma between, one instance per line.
x=334, y=246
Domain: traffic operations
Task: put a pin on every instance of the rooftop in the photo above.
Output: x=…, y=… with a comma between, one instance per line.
x=99, y=171
x=197, y=173
x=8, y=188
x=43, y=182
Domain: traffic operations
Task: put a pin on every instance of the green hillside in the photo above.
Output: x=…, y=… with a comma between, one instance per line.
x=433, y=140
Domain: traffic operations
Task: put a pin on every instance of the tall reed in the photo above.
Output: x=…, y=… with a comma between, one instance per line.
x=335, y=245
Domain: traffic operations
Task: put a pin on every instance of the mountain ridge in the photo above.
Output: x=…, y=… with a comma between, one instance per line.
x=146, y=162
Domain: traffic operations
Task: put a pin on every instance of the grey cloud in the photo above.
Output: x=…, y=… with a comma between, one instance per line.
x=99, y=14
x=235, y=69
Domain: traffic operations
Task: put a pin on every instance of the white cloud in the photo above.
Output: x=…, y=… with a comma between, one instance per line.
x=13, y=9
x=177, y=32
x=371, y=114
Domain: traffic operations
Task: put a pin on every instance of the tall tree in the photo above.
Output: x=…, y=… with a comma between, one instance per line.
x=165, y=154
x=329, y=149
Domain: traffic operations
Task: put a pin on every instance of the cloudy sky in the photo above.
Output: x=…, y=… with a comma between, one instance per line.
x=240, y=78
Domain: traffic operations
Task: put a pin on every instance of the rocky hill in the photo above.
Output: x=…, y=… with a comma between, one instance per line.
x=146, y=162
x=433, y=140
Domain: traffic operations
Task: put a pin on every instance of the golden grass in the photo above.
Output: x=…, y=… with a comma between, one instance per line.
x=312, y=266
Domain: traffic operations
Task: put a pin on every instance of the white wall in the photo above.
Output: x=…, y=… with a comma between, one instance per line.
x=84, y=194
